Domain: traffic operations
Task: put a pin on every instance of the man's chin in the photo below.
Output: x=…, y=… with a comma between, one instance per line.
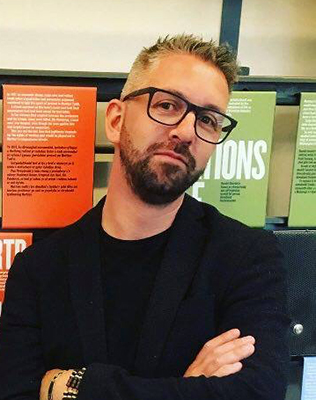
x=162, y=192
x=158, y=199
x=168, y=172
x=165, y=160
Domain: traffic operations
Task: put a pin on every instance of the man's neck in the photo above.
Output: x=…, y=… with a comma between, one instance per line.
x=127, y=217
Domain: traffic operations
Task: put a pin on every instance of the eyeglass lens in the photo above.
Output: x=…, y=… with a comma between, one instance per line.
x=169, y=109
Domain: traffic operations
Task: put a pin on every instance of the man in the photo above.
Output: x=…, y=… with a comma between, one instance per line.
x=152, y=295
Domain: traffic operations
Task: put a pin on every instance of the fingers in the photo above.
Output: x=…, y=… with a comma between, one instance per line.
x=221, y=355
x=223, y=338
x=227, y=341
x=228, y=370
x=229, y=346
x=224, y=363
x=234, y=355
x=225, y=352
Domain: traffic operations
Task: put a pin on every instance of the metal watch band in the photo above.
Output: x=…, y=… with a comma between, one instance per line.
x=73, y=384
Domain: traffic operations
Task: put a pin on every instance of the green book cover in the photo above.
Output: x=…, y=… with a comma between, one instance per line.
x=303, y=192
x=236, y=177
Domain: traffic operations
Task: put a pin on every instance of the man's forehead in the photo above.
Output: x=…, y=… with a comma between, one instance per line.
x=194, y=79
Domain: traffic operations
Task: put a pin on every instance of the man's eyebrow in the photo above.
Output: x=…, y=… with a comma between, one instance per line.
x=210, y=105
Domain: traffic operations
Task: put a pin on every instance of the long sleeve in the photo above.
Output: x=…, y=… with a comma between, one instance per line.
x=254, y=302
x=21, y=358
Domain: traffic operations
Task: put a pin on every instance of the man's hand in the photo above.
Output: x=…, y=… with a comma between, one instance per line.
x=59, y=385
x=221, y=355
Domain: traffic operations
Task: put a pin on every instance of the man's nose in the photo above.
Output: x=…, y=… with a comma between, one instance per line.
x=185, y=130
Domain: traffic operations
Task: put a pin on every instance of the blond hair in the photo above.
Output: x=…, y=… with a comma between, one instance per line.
x=220, y=56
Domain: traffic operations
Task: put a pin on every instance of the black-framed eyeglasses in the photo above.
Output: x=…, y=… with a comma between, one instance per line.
x=170, y=109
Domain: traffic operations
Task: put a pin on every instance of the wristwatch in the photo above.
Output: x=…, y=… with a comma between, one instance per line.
x=73, y=384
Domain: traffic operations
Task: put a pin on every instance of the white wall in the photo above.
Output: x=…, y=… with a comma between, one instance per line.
x=95, y=35
x=278, y=37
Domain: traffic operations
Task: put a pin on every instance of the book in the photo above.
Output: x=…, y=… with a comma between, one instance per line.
x=48, y=155
x=302, y=211
x=236, y=177
x=10, y=244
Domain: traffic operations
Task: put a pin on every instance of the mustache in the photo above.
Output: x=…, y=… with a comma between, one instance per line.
x=179, y=148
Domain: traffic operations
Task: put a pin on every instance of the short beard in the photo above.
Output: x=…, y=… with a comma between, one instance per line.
x=144, y=179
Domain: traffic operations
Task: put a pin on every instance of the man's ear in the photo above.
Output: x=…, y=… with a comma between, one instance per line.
x=114, y=117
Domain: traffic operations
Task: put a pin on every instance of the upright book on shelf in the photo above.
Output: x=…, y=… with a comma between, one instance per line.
x=303, y=192
x=236, y=177
x=48, y=154
x=10, y=244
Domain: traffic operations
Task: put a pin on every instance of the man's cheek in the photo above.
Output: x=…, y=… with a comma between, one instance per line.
x=208, y=154
x=201, y=161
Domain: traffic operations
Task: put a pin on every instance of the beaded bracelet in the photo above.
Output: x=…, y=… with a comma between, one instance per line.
x=73, y=384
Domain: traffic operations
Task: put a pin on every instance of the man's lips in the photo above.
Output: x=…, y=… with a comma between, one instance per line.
x=172, y=154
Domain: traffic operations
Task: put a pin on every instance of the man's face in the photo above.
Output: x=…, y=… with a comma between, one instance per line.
x=161, y=162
